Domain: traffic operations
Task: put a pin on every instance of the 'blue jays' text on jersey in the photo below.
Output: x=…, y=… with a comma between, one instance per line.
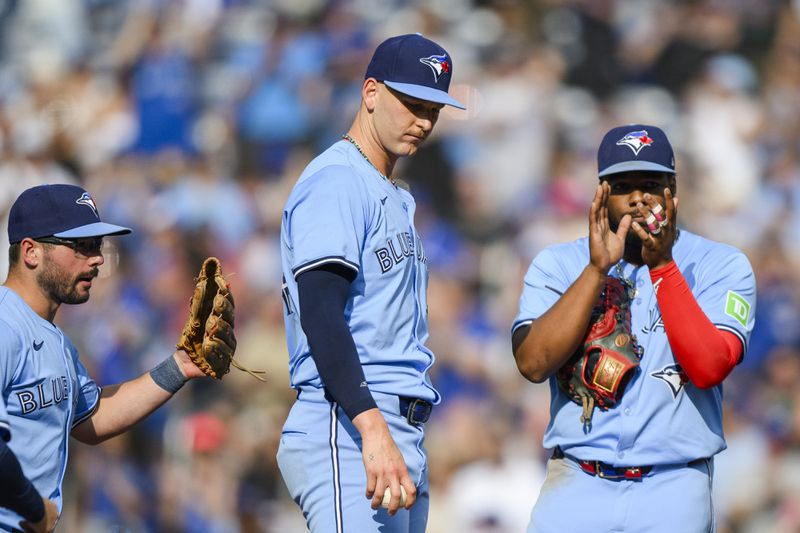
x=662, y=418
x=46, y=391
x=341, y=211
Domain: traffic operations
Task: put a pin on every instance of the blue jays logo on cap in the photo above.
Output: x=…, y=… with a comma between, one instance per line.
x=438, y=64
x=57, y=210
x=86, y=200
x=404, y=63
x=635, y=147
x=636, y=140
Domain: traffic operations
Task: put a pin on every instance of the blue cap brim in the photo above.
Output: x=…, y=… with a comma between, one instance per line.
x=425, y=93
x=96, y=229
x=630, y=166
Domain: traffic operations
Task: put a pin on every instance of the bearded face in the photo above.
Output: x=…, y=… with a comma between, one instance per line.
x=61, y=286
x=627, y=189
x=632, y=240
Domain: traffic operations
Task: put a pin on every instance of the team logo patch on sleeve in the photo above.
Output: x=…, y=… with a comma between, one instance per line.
x=737, y=307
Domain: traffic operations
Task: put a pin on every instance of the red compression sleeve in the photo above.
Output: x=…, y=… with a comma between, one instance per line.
x=705, y=353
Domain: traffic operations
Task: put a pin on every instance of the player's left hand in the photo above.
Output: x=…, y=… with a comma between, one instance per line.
x=658, y=237
x=187, y=367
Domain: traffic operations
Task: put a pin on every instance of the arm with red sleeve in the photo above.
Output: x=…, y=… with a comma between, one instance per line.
x=705, y=353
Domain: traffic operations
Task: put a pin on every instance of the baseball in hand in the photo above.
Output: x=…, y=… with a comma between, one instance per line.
x=387, y=495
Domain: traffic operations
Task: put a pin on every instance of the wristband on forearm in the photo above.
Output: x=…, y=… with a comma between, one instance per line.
x=168, y=376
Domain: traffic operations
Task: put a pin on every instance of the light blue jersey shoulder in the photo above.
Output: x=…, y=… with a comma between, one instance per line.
x=46, y=391
x=662, y=419
x=342, y=211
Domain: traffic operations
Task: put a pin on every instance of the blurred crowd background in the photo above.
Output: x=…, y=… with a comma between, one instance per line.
x=190, y=120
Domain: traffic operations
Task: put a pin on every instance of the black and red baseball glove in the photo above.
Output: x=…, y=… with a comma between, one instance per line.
x=603, y=365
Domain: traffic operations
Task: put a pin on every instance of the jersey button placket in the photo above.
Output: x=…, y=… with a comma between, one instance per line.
x=416, y=276
x=627, y=431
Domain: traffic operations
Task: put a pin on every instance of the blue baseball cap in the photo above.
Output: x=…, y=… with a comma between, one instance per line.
x=59, y=210
x=415, y=66
x=635, y=147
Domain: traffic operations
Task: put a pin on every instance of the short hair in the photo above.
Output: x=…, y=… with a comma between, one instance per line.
x=13, y=255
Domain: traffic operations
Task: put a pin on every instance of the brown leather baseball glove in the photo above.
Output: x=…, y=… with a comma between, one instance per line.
x=207, y=336
x=607, y=359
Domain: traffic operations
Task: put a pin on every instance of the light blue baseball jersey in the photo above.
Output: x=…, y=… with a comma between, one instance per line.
x=662, y=419
x=46, y=392
x=341, y=211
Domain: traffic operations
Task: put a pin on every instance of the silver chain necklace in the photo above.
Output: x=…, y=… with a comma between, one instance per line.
x=352, y=141
x=633, y=292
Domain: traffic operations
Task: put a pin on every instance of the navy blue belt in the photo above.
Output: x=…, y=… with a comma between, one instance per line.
x=415, y=411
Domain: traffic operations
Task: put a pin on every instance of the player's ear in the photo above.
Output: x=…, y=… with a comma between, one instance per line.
x=30, y=252
x=673, y=184
x=369, y=93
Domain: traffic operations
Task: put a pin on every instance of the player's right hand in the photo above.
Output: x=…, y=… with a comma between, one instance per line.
x=383, y=462
x=605, y=246
x=48, y=521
